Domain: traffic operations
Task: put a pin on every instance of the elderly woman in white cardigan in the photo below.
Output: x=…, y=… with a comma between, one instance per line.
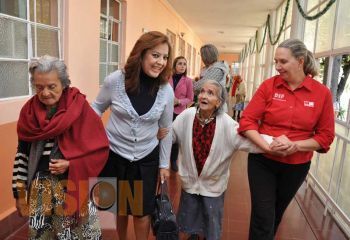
x=207, y=139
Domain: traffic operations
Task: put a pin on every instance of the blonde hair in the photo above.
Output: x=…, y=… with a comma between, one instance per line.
x=299, y=50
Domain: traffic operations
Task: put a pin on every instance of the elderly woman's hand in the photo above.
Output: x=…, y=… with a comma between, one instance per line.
x=58, y=166
x=162, y=132
x=164, y=174
x=22, y=207
x=283, y=143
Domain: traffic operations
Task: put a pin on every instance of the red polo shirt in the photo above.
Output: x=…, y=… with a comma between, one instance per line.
x=307, y=112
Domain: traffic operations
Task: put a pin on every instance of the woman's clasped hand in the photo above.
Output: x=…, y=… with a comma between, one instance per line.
x=283, y=146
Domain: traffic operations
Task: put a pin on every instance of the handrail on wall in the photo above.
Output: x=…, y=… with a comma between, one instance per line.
x=331, y=202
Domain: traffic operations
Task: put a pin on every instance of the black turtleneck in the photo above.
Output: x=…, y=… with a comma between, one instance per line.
x=176, y=79
x=143, y=101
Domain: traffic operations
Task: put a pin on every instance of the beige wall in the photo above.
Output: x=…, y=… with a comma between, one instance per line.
x=81, y=53
x=82, y=45
x=156, y=15
x=8, y=143
x=229, y=57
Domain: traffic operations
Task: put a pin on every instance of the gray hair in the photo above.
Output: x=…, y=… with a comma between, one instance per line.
x=209, y=54
x=221, y=94
x=299, y=50
x=46, y=64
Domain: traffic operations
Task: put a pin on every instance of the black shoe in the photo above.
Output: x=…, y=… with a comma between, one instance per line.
x=174, y=167
x=193, y=237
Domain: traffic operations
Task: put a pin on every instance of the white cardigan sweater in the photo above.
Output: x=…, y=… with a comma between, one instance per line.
x=213, y=179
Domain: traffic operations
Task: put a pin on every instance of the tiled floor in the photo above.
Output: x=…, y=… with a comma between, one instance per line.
x=303, y=219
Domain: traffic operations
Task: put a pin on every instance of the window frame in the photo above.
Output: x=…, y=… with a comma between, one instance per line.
x=109, y=39
x=32, y=53
x=331, y=53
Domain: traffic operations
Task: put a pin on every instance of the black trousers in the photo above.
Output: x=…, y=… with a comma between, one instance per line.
x=174, y=148
x=272, y=186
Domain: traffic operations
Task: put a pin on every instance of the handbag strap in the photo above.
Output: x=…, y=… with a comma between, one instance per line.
x=162, y=189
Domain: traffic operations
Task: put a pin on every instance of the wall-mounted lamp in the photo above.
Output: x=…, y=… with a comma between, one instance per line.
x=182, y=34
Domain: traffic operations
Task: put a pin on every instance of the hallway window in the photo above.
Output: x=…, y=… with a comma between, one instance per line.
x=325, y=29
x=262, y=59
x=310, y=32
x=279, y=20
x=342, y=36
x=340, y=85
x=110, y=35
x=172, y=40
x=328, y=37
x=182, y=47
x=339, y=82
x=189, y=58
x=194, y=66
x=25, y=36
x=268, y=68
x=318, y=34
x=323, y=63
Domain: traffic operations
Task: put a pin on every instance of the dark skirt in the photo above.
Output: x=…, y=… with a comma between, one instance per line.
x=137, y=182
x=198, y=214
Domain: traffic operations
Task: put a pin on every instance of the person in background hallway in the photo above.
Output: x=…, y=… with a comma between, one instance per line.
x=238, y=93
x=141, y=101
x=207, y=139
x=294, y=104
x=229, y=78
x=59, y=138
x=213, y=69
x=183, y=90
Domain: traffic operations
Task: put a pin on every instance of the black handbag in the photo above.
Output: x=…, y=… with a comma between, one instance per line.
x=164, y=224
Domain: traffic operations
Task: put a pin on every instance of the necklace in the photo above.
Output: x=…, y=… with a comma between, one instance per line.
x=204, y=121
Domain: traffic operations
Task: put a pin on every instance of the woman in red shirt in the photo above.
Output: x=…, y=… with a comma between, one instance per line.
x=298, y=109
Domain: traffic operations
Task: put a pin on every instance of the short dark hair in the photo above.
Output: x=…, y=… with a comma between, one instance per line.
x=209, y=54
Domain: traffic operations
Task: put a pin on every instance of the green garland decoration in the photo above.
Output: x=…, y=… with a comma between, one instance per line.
x=317, y=15
x=248, y=50
x=263, y=39
x=251, y=49
x=281, y=27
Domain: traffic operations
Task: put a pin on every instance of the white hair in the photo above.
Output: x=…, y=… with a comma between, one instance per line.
x=221, y=94
x=46, y=64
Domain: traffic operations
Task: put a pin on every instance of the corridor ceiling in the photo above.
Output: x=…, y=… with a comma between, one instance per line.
x=228, y=24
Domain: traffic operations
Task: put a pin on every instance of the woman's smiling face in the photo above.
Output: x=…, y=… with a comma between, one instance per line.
x=155, y=59
x=286, y=64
